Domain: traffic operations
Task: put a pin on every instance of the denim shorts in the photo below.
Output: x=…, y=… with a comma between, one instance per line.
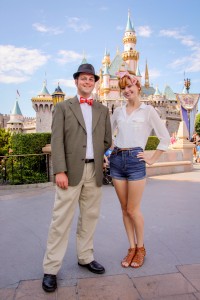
x=125, y=165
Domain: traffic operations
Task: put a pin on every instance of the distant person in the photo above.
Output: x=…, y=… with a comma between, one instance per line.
x=194, y=141
x=173, y=138
x=198, y=152
x=81, y=133
x=133, y=124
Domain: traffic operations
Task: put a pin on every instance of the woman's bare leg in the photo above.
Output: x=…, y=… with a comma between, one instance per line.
x=135, y=191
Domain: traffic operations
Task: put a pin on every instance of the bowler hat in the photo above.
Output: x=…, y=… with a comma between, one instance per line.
x=86, y=68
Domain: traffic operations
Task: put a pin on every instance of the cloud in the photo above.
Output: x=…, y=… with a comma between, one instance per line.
x=120, y=28
x=144, y=31
x=68, y=56
x=77, y=24
x=186, y=40
x=189, y=63
x=65, y=82
x=51, y=30
x=17, y=64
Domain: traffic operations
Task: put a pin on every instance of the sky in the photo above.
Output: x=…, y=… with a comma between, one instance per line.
x=47, y=40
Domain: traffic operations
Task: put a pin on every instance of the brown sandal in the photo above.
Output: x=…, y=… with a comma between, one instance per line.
x=138, y=259
x=128, y=258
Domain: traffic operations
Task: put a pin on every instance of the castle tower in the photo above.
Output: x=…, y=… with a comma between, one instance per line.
x=130, y=55
x=58, y=95
x=15, y=124
x=106, y=59
x=106, y=81
x=138, y=74
x=43, y=106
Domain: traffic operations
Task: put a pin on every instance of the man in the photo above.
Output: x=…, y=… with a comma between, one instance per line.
x=81, y=133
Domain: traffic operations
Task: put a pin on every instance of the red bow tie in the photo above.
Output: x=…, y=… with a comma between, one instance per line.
x=88, y=101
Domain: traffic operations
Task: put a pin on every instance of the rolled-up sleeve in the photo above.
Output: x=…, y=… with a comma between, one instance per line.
x=160, y=129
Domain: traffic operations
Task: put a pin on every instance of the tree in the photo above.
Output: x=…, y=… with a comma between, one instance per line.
x=5, y=141
x=197, y=124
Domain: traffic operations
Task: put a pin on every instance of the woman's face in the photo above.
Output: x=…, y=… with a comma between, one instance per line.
x=130, y=91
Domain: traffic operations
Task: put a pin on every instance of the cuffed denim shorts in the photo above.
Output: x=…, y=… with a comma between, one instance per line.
x=125, y=165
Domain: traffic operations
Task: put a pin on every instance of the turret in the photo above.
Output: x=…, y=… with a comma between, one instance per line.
x=58, y=95
x=43, y=106
x=130, y=55
x=106, y=59
x=106, y=79
x=15, y=124
x=138, y=74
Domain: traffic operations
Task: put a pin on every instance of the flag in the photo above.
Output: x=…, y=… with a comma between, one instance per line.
x=18, y=93
x=185, y=118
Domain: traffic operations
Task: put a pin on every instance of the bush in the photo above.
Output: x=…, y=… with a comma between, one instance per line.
x=5, y=139
x=24, y=167
x=152, y=143
x=30, y=143
x=197, y=124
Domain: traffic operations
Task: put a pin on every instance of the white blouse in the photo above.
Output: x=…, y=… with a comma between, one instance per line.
x=133, y=130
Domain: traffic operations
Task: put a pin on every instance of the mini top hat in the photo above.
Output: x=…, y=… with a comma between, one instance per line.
x=86, y=68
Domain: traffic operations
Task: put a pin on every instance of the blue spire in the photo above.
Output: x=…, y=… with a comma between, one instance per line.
x=106, y=72
x=138, y=71
x=129, y=25
x=44, y=90
x=106, y=53
x=16, y=109
x=157, y=92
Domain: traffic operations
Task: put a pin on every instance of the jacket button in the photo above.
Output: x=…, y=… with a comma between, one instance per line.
x=84, y=146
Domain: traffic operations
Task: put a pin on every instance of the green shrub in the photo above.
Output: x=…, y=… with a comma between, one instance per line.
x=5, y=139
x=30, y=143
x=197, y=124
x=152, y=143
x=27, y=168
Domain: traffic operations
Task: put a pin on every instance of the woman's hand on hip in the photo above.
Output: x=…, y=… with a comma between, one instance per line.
x=144, y=157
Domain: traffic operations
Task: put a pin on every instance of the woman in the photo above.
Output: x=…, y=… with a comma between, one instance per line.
x=132, y=124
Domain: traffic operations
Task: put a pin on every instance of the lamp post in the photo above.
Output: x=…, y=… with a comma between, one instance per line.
x=187, y=84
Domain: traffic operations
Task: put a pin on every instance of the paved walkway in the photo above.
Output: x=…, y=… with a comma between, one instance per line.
x=171, y=206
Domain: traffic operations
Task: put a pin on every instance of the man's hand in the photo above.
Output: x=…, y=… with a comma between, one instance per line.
x=62, y=180
x=105, y=162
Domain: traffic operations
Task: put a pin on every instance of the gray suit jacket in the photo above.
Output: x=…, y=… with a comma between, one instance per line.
x=69, y=139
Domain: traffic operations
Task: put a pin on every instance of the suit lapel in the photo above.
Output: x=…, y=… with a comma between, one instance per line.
x=75, y=107
x=96, y=112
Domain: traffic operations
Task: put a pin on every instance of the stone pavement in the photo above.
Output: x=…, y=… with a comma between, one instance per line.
x=171, y=206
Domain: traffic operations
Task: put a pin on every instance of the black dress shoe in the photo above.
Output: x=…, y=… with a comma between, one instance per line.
x=49, y=283
x=94, y=267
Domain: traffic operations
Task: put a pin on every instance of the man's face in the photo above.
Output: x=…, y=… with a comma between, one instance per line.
x=85, y=84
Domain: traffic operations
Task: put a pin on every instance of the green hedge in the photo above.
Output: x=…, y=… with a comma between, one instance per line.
x=152, y=143
x=30, y=143
x=27, y=169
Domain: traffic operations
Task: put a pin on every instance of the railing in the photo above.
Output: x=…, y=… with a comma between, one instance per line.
x=24, y=169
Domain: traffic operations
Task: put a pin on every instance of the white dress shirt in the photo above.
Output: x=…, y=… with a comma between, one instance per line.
x=133, y=130
x=87, y=116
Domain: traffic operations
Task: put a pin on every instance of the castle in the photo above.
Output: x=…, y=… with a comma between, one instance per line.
x=106, y=91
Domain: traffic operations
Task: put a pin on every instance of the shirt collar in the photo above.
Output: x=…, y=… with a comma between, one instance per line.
x=142, y=106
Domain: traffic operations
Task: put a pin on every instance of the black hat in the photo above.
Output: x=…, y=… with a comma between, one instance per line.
x=86, y=68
